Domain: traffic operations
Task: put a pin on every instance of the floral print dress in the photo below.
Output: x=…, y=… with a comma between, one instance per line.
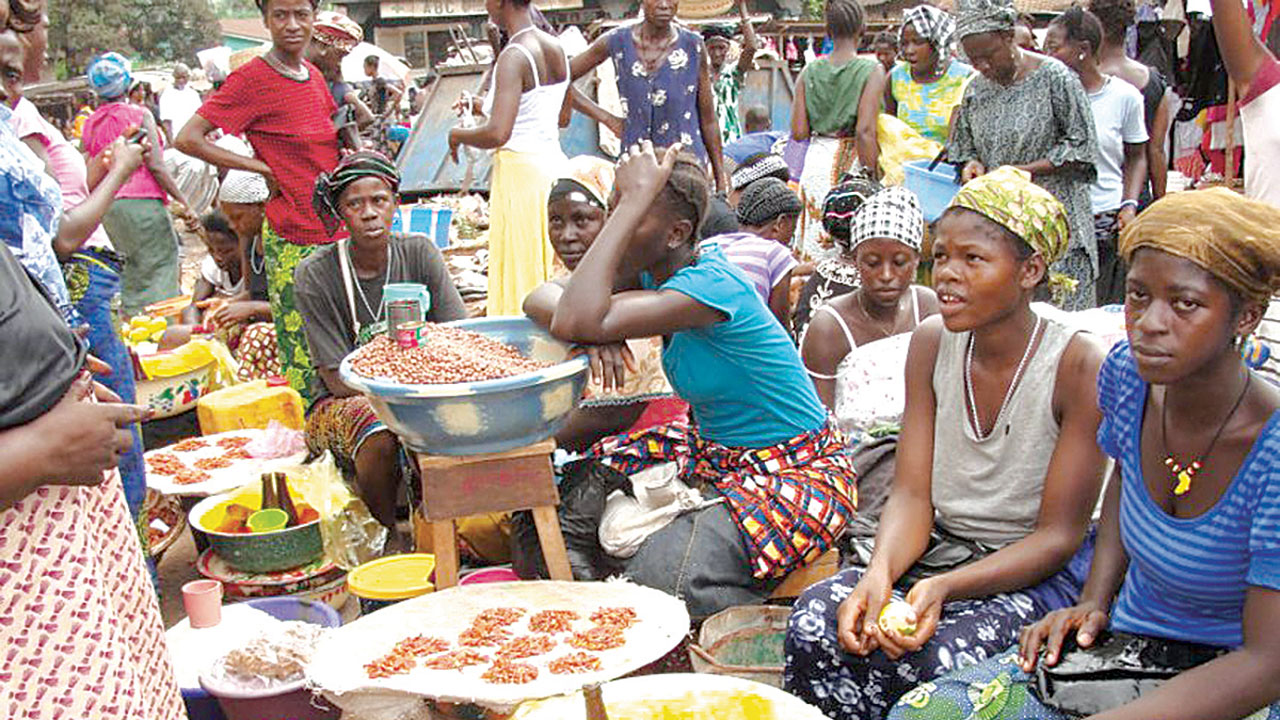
x=662, y=105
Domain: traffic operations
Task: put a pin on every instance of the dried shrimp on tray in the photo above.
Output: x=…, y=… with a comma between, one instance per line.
x=418, y=647
x=204, y=466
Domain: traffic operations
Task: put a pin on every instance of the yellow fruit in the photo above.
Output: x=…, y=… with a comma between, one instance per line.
x=138, y=321
x=138, y=334
x=155, y=336
x=898, y=616
x=157, y=325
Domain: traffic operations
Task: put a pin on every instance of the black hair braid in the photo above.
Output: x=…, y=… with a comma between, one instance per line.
x=845, y=18
x=262, y=5
x=686, y=193
x=25, y=15
x=1080, y=25
x=1115, y=15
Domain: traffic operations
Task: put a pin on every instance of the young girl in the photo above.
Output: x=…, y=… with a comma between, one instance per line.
x=759, y=437
x=924, y=90
x=1188, y=549
x=997, y=471
x=835, y=108
x=531, y=79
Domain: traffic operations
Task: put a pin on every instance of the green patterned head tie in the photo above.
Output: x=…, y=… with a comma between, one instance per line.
x=329, y=186
x=1007, y=196
x=974, y=17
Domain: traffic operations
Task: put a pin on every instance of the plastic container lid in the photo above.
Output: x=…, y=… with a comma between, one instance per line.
x=277, y=381
x=398, y=577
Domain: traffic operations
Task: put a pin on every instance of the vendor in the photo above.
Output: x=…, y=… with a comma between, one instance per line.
x=997, y=469
x=856, y=345
x=767, y=215
x=759, y=437
x=628, y=391
x=339, y=290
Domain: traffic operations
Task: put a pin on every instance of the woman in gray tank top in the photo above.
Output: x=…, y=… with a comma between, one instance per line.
x=997, y=471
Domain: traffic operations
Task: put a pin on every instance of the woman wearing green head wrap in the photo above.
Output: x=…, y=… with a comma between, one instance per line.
x=997, y=471
x=1029, y=111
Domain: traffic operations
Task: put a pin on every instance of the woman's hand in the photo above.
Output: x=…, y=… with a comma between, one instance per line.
x=454, y=143
x=972, y=169
x=857, y=615
x=231, y=313
x=84, y=438
x=1125, y=216
x=609, y=363
x=641, y=173
x=926, y=598
x=1087, y=620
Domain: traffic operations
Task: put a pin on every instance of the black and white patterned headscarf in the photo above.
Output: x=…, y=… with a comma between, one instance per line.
x=891, y=214
x=934, y=25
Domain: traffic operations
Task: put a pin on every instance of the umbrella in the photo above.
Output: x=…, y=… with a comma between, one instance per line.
x=389, y=66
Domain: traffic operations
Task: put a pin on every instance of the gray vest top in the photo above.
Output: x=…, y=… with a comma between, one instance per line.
x=989, y=490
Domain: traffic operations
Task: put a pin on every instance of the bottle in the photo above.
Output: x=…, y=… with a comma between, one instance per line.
x=285, y=499
x=269, y=492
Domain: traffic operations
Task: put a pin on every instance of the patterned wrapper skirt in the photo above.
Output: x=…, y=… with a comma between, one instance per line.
x=791, y=501
x=282, y=258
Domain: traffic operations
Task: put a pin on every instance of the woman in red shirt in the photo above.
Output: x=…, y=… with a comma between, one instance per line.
x=281, y=104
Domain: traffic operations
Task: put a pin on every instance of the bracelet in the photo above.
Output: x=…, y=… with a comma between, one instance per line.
x=1128, y=203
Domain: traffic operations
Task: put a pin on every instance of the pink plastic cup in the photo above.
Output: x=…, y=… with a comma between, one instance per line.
x=202, y=599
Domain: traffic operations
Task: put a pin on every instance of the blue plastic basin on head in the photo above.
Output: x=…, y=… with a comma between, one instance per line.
x=935, y=188
x=483, y=417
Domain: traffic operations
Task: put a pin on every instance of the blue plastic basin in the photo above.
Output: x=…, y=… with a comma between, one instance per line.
x=934, y=188
x=483, y=417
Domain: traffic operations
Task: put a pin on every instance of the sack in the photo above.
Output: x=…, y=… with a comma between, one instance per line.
x=583, y=491
x=1115, y=671
x=945, y=552
x=660, y=497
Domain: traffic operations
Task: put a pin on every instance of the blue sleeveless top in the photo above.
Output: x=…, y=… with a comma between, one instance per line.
x=663, y=106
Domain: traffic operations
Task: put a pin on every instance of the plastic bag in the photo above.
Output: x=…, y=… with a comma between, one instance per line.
x=899, y=143
x=351, y=536
x=277, y=441
x=660, y=497
x=586, y=485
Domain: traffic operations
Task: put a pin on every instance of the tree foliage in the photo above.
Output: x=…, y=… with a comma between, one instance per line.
x=148, y=30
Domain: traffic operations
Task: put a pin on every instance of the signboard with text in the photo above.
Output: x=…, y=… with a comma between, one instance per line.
x=456, y=8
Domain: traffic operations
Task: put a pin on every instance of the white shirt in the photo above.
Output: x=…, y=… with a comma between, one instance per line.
x=177, y=106
x=1118, y=117
x=1260, y=114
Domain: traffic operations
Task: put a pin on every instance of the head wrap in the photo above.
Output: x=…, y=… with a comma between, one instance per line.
x=1230, y=236
x=243, y=187
x=983, y=16
x=934, y=25
x=893, y=213
x=758, y=166
x=842, y=203
x=109, y=75
x=1007, y=196
x=713, y=32
x=589, y=176
x=329, y=186
x=721, y=219
x=337, y=30
x=766, y=199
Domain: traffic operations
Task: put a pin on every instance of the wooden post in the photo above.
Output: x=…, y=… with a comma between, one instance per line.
x=1229, y=173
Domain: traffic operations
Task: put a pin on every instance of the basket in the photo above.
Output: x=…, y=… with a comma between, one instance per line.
x=702, y=9
x=744, y=642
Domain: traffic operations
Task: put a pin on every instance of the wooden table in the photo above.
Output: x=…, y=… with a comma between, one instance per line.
x=458, y=486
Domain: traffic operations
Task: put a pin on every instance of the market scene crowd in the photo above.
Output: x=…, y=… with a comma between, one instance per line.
x=904, y=355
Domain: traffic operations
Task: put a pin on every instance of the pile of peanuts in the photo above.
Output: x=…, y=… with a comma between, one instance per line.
x=445, y=355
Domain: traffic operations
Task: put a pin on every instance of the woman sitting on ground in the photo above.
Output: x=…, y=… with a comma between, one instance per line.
x=997, y=470
x=339, y=290
x=759, y=437
x=836, y=275
x=1188, y=548
x=628, y=393
x=767, y=215
x=856, y=346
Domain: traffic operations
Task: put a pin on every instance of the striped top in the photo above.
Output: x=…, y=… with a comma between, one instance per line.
x=764, y=261
x=1187, y=576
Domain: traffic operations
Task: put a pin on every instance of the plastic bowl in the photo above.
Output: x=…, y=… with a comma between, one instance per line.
x=260, y=552
x=483, y=417
x=489, y=575
x=292, y=700
x=934, y=188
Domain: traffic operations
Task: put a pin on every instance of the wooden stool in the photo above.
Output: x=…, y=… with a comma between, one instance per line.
x=459, y=486
x=792, y=585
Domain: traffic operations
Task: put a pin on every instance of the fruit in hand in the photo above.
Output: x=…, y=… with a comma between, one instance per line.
x=898, y=616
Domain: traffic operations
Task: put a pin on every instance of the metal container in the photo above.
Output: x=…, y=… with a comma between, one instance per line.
x=411, y=334
x=400, y=312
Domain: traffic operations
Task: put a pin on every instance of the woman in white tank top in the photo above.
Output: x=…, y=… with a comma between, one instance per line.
x=521, y=123
x=855, y=348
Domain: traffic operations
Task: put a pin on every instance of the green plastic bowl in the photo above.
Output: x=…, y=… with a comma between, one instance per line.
x=260, y=552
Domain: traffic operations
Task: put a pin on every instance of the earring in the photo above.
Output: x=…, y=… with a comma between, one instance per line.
x=1081, y=57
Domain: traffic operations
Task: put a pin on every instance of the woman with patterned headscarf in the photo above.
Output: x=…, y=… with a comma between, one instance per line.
x=626, y=393
x=138, y=223
x=333, y=37
x=924, y=90
x=997, y=471
x=339, y=289
x=856, y=346
x=1029, y=111
x=836, y=275
x=1187, y=562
